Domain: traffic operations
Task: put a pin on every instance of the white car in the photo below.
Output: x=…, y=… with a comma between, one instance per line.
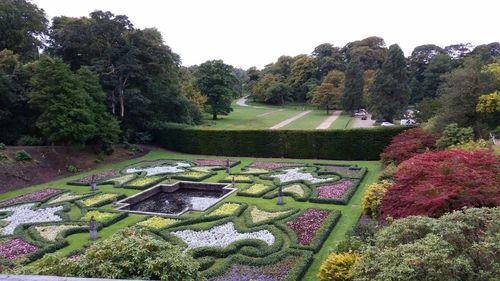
x=386, y=124
x=408, y=122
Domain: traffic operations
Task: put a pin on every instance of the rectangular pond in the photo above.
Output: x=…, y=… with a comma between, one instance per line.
x=176, y=199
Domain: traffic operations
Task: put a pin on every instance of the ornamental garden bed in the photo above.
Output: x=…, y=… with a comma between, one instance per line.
x=236, y=237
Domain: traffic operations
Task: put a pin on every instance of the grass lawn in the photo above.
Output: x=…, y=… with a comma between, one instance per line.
x=349, y=213
x=250, y=117
x=343, y=122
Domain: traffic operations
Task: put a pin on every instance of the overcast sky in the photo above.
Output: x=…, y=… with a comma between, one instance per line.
x=247, y=33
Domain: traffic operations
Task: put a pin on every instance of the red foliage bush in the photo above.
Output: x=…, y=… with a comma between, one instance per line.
x=434, y=183
x=407, y=144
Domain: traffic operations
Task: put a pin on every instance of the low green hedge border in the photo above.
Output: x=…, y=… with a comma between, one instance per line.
x=351, y=144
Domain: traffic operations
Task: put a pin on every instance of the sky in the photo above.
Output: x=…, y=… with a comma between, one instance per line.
x=247, y=33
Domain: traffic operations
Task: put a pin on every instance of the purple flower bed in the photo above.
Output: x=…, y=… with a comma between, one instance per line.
x=306, y=225
x=15, y=248
x=98, y=177
x=213, y=162
x=32, y=196
x=275, y=165
x=274, y=272
x=334, y=190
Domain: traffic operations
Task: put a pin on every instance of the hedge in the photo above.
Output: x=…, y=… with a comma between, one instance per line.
x=353, y=144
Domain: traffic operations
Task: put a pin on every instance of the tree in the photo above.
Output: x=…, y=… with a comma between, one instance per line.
x=462, y=245
x=459, y=51
x=370, y=51
x=434, y=183
x=329, y=93
x=129, y=254
x=22, y=28
x=390, y=90
x=328, y=58
x=303, y=68
x=214, y=79
x=460, y=92
x=406, y=145
x=489, y=103
x=71, y=105
x=454, y=135
x=353, y=89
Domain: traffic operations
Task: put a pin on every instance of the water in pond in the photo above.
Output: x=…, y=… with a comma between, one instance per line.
x=177, y=201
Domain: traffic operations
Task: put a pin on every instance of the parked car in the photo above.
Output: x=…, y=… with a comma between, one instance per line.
x=407, y=122
x=386, y=124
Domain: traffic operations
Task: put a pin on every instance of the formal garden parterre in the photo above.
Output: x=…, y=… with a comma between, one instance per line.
x=244, y=236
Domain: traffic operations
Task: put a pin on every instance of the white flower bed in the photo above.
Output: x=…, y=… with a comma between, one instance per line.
x=22, y=214
x=177, y=167
x=221, y=236
x=50, y=232
x=296, y=174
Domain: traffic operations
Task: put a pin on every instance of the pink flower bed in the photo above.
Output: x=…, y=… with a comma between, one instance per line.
x=306, y=225
x=213, y=162
x=32, y=196
x=15, y=248
x=334, y=190
x=275, y=165
x=98, y=177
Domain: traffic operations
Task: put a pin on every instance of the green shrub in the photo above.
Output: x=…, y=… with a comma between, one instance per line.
x=2, y=146
x=388, y=172
x=29, y=141
x=72, y=169
x=22, y=155
x=454, y=135
x=355, y=144
x=129, y=254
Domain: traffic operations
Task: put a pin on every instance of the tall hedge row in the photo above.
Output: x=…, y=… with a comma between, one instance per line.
x=355, y=144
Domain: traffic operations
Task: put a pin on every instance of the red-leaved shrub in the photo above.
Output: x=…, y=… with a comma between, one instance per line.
x=434, y=183
x=407, y=144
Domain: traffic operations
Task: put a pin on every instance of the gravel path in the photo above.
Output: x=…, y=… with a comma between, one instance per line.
x=329, y=120
x=243, y=102
x=356, y=122
x=290, y=120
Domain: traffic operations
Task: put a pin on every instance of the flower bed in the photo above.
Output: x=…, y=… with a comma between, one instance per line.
x=276, y=165
x=254, y=171
x=259, y=215
x=25, y=214
x=293, y=175
x=225, y=209
x=192, y=175
x=158, y=222
x=306, y=225
x=255, y=190
x=98, y=216
x=144, y=182
x=334, y=190
x=220, y=236
x=98, y=199
x=65, y=197
x=274, y=272
x=99, y=177
x=237, y=178
x=220, y=163
x=345, y=171
x=203, y=169
x=119, y=181
x=295, y=189
x=167, y=168
x=32, y=196
x=50, y=232
x=15, y=248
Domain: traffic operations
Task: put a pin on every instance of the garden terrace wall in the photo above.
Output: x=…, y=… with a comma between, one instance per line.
x=355, y=144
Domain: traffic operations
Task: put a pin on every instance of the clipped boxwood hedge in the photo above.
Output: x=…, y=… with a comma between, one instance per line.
x=353, y=144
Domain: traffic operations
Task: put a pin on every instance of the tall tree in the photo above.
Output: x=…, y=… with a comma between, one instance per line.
x=329, y=94
x=328, y=58
x=390, y=92
x=303, y=69
x=22, y=27
x=215, y=80
x=353, y=89
x=71, y=105
x=370, y=51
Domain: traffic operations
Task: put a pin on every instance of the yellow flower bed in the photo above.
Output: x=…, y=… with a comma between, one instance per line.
x=260, y=215
x=225, y=209
x=256, y=188
x=98, y=199
x=193, y=174
x=144, y=181
x=158, y=222
x=238, y=178
x=98, y=216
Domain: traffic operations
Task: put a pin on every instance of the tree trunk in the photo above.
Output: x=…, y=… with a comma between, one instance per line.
x=122, y=106
x=113, y=101
x=327, y=113
x=214, y=116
